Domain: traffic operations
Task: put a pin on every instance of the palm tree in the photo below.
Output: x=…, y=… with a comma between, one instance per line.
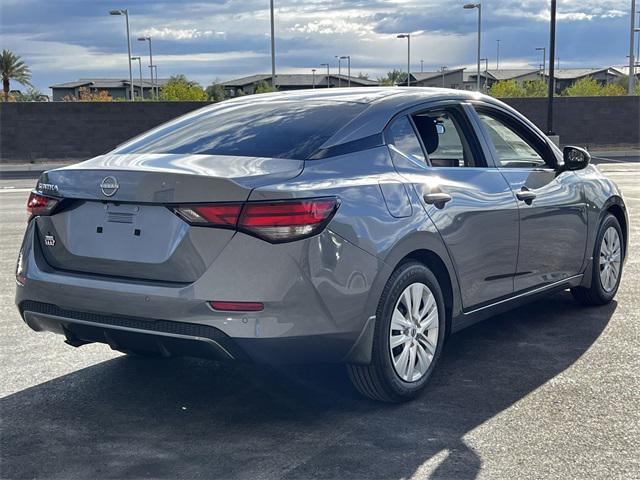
x=13, y=68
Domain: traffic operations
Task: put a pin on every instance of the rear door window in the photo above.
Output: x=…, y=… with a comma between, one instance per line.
x=402, y=138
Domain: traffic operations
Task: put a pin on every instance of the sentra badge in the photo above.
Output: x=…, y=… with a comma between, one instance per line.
x=51, y=187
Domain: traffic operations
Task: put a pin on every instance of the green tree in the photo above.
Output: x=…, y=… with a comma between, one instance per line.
x=394, y=77
x=585, y=87
x=263, y=87
x=534, y=88
x=363, y=76
x=637, y=92
x=215, y=92
x=32, y=95
x=613, y=90
x=13, y=68
x=179, y=89
x=506, y=89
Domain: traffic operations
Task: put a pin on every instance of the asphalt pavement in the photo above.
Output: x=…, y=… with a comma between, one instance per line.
x=550, y=390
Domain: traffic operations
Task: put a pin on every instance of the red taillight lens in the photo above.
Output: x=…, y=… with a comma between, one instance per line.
x=237, y=306
x=281, y=221
x=287, y=220
x=40, y=205
x=218, y=215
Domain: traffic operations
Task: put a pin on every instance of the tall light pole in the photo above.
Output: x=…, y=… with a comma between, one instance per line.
x=155, y=75
x=408, y=37
x=339, y=70
x=148, y=39
x=348, y=57
x=326, y=65
x=552, y=73
x=544, y=60
x=632, y=62
x=486, y=73
x=273, y=49
x=421, y=66
x=125, y=12
x=498, y=55
x=140, y=67
x=442, y=69
x=313, y=77
x=479, y=7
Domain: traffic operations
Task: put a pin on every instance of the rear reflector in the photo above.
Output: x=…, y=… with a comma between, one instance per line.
x=237, y=306
x=40, y=205
x=280, y=221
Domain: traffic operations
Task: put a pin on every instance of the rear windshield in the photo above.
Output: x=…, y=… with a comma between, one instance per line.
x=281, y=130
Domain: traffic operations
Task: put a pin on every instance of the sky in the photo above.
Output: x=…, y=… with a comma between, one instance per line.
x=64, y=40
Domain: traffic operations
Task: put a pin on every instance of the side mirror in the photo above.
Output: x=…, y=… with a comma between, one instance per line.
x=575, y=158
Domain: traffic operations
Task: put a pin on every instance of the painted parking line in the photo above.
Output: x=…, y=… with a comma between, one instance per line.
x=14, y=190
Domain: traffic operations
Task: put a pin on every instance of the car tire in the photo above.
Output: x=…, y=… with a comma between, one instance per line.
x=383, y=378
x=603, y=289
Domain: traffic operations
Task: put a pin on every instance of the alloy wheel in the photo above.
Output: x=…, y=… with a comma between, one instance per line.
x=610, y=259
x=413, y=335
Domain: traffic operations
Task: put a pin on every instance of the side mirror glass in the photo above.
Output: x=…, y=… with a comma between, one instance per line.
x=575, y=158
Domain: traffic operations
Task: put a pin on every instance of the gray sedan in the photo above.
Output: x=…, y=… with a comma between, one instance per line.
x=360, y=226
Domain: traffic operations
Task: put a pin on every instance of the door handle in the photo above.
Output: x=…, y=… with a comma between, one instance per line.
x=438, y=199
x=525, y=195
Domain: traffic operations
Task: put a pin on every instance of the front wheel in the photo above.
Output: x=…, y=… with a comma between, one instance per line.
x=608, y=257
x=408, y=336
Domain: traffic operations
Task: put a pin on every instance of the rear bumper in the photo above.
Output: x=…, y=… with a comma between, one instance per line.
x=169, y=338
x=314, y=310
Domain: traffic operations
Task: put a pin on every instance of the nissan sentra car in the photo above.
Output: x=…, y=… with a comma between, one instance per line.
x=353, y=225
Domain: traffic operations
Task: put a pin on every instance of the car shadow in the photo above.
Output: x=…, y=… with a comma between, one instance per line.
x=154, y=418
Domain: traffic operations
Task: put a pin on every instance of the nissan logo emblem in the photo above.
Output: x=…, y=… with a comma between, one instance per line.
x=109, y=186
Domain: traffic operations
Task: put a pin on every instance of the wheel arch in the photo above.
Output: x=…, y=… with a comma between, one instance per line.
x=428, y=249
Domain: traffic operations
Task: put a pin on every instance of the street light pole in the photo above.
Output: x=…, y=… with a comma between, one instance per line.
x=632, y=62
x=348, y=57
x=498, y=55
x=408, y=37
x=442, y=69
x=421, y=66
x=339, y=70
x=140, y=68
x=486, y=70
x=479, y=7
x=544, y=61
x=148, y=39
x=552, y=54
x=326, y=65
x=155, y=75
x=125, y=12
x=273, y=49
x=313, y=77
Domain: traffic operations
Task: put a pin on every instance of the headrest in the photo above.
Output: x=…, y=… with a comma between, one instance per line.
x=428, y=131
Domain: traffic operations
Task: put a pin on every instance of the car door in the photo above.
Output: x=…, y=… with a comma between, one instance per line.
x=469, y=202
x=553, y=221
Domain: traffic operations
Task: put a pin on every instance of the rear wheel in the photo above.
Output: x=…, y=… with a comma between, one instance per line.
x=608, y=256
x=408, y=337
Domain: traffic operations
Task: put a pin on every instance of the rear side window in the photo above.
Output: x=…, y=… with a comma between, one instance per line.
x=403, y=139
x=292, y=130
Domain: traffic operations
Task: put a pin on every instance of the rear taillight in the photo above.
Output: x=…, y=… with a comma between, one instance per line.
x=220, y=215
x=40, y=204
x=287, y=220
x=281, y=221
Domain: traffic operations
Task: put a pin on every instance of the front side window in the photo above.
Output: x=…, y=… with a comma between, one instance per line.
x=292, y=130
x=513, y=150
x=403, y=139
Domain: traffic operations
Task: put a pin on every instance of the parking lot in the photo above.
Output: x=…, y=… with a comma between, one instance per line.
x=550, y=390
